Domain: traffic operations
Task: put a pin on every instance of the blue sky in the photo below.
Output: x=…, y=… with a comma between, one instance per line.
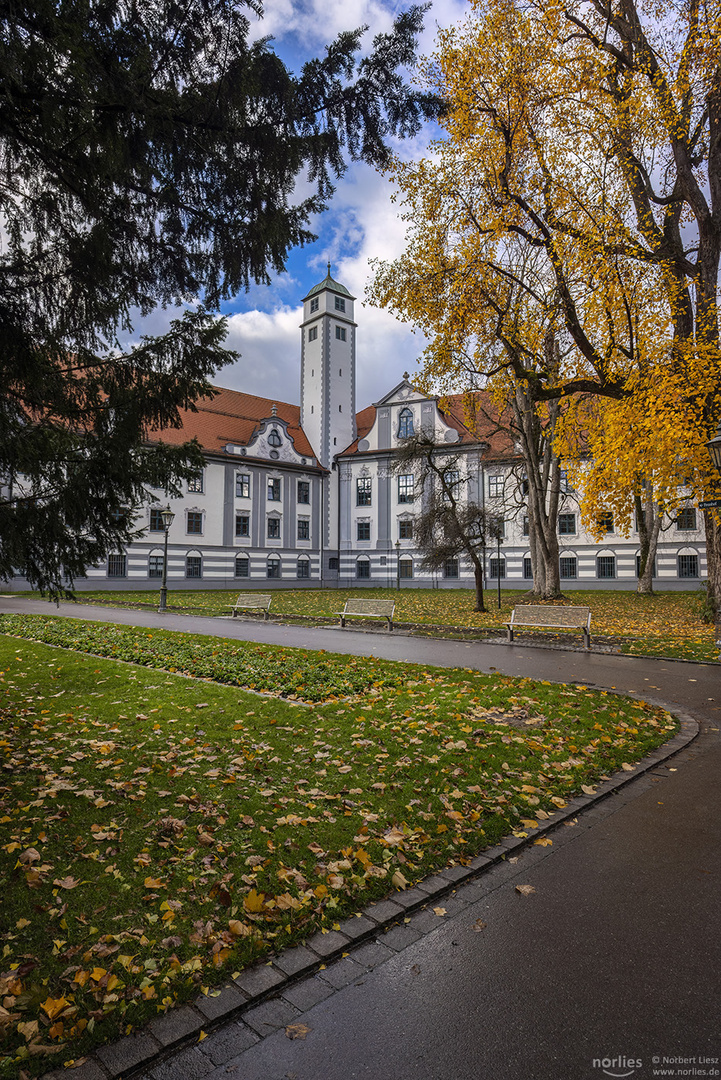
x=360, y=223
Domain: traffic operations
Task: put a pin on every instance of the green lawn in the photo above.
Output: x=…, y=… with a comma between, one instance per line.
x=158, y=832
x=667, y=624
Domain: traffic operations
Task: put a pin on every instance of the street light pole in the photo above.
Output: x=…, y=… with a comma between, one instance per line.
x=167, y=516
x=398, y=564
x=498, y=566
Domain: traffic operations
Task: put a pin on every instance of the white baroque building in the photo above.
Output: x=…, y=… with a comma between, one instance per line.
x=306, y=495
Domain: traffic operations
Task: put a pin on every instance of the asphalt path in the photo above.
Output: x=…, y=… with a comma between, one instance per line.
x=612, y=967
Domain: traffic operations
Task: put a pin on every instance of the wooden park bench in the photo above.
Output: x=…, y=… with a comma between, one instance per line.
x=248, y=600
x=552, y=618
x=368, y=609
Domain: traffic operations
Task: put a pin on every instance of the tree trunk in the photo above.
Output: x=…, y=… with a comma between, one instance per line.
x=648, y=520
x=478, y=574
x=713, y=561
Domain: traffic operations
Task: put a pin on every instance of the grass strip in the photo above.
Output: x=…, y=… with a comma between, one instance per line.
x=159, y=833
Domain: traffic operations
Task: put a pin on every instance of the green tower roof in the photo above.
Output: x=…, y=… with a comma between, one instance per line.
x=330, y=284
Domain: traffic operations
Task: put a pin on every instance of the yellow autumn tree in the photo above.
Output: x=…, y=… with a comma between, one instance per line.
x=589, y=133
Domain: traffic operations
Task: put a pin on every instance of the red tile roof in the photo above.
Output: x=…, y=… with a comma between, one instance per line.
x=230, y=416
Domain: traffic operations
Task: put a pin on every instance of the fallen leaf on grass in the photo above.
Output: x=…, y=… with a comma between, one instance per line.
x=525, y=890
x=399, y=880
x=66, y=883
x=297, y=1031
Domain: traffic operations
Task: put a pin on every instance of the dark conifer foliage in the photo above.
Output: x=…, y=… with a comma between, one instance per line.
x=150, y=153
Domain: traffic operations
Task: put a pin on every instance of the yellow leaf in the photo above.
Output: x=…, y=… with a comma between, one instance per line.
x=543, y=841
x=154, y=883
x=399, y=880
x=54, y=1006
x=254, y=902
x=439, y=911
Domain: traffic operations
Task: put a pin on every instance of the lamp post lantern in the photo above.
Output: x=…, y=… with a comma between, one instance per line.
x=167, y=517
x=398, y=564
x=714, y=446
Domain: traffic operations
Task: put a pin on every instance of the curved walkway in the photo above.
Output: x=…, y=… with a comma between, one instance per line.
x=611, y=967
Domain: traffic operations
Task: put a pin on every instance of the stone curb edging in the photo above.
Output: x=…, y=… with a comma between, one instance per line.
x=180, y=1028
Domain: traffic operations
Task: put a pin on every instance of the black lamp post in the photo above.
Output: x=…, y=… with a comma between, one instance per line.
x=498, y=567
x=398, y=564
x=167, y=517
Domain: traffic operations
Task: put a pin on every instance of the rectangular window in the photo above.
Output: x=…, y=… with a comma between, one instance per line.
x=333, y=562
x=340, y=333
x=274, y=491
x=303, y=491
x=567, y=567
x=156, y=520
x=195, y=483
x=606, y=566
x=605, y=522
x=313, y=333
x=363, y=491
x=314, y=304
x=450, y=568
x=303, y=529
x=526, y=527
x=686, y=519
x=527, y=569
x=116, y=565
x=565, y=484
x=363, y=568
x=688, y=566
x=274, y=528
x=242, y=485
x=155, y=566
x=405, y=530
x=303, y=568
x=194, y=523
x=405, y=488
x=406, y=568
x=193, y=566
x=495, y=487
x=496, y=566
x=339, y=303
x=363, y=530
x=567, y=524
x=242, y=566
x=451, y=484
x=242, y=524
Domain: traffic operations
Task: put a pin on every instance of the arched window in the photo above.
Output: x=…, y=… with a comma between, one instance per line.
x=406, y=566
x=363, y=567
x=242, y=566
x=273, y=566
x=303, y=566
x=155, y=563
x=405, y=424
x=194, y=565
x=274, y=438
